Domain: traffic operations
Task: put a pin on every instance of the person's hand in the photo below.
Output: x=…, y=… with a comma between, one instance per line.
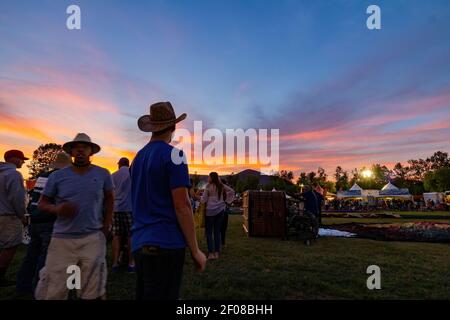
x=66, y=209
x=199, y=260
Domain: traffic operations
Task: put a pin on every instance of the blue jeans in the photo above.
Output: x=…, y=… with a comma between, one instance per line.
x=213, y=225
x=28, y=275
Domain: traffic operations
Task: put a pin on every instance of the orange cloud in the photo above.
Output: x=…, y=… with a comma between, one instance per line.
x=23, y=127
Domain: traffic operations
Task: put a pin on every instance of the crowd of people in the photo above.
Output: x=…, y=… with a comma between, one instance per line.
x=359, y=205
x=147, y=208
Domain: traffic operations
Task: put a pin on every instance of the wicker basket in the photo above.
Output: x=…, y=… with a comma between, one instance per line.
x=264, y=213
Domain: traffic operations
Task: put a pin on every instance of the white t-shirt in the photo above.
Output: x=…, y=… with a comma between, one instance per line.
x=214, y=203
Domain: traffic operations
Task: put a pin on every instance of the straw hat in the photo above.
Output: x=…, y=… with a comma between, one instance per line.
x=81, y=138
x=162, y=116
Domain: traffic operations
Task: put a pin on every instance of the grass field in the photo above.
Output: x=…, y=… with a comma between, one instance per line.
x=333, y=268
x=424, y=213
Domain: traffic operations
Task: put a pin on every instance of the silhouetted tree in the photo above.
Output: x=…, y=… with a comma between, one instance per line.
x=438, y=180
x=42, y=157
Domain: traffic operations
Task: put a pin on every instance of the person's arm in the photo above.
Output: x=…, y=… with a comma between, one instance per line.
x=230, y=194
x=204, y=197
x=46, y=202
x=108, y=189
x=185, y=219
x=16, y=194
x=109, y=207
x=65, y=209
x=192, y=193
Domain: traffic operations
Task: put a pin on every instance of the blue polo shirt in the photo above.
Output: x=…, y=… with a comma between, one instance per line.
x=153, y=176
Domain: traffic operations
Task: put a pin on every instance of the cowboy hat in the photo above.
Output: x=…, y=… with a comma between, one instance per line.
x=62, y=160
x=81, y=138
x=161, y=117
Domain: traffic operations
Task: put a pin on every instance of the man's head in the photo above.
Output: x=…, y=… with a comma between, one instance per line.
x=166, y=134
x=123, y=162
x=62, y=160
x=15, y=157
x=160, y=121
x=81, y=153
x=81, y=148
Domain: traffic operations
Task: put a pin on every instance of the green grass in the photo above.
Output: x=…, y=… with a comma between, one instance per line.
x=423, y=213
x=333, y=268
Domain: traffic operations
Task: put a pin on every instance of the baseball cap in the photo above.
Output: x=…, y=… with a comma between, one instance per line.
x=15, y=154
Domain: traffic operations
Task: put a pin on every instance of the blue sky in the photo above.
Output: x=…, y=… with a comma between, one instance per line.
x=341, y=94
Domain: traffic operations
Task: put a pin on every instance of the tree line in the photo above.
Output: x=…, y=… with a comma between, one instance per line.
x=418, y=175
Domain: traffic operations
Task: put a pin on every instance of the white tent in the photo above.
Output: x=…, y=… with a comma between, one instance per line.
x=356, y=187
x=391, y=191
x=389, y=186
x=354, y=192
x=437, y=197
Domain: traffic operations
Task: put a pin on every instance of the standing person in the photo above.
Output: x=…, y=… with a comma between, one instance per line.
x=313, y=203
x=122, y=219
x=81, y=196
x=41, y=228
x=163, y=222
x=216, y=196
x=12, y=210
x=193, y=196
x=321, y=200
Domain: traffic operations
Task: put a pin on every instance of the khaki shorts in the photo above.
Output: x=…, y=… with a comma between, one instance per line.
x=88, y=253
x=11, y=232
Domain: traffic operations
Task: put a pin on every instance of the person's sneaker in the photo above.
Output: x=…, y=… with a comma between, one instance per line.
x=115, y=269
x=6, y=283
x=131, y=269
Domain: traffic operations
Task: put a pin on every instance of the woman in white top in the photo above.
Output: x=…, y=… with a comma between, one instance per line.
x=216, y=196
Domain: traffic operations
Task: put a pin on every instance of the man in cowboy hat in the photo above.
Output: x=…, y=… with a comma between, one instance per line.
x=12, y=210
x=40, y=229
x=81, y=197
x=163, y=222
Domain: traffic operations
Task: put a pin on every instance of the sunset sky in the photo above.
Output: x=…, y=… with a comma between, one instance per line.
x=339, y=93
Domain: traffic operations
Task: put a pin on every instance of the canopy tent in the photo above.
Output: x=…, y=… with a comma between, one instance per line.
x=355, y=187
x=355, y=192
x=388, y=191
x=330, y=196
x=437, y=197
x=391, y=191
x=350, y=194
x=389, y=186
